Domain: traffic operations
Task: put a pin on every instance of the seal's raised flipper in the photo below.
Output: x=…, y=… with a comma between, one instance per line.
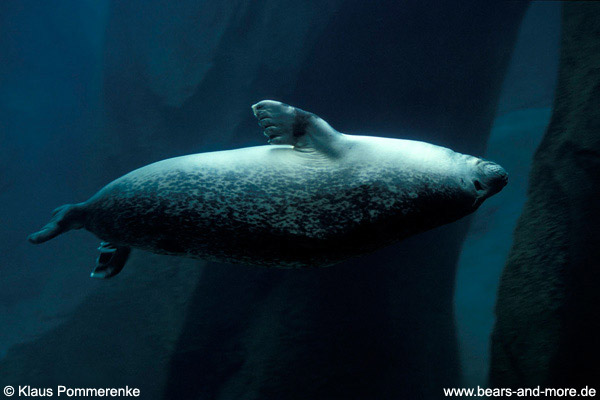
x=111, y=260
x=64, y=218
x=284, y=124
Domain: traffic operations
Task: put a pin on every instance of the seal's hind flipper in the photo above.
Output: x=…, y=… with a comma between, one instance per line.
x=111, y=260
x=64, y=218
x=284, y=124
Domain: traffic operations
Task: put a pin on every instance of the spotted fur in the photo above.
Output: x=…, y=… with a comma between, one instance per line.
x=296, y=216
x=336, y=197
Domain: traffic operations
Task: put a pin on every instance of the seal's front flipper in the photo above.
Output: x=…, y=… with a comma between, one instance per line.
x=111, y=260
x=284, y=124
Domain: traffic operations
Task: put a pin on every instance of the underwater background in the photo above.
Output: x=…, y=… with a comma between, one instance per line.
x=91, y=89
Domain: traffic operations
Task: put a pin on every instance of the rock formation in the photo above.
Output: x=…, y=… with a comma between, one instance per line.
x=547, y=325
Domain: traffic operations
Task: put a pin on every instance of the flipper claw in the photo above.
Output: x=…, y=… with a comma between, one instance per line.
x=106, y=247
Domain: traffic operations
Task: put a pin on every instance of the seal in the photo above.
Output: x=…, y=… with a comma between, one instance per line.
x=312, y=198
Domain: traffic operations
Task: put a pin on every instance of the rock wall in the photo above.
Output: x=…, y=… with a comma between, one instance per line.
x=120, y=335
x=547, y=309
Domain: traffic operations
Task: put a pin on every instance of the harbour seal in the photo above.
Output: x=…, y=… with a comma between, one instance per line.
x=314, y=197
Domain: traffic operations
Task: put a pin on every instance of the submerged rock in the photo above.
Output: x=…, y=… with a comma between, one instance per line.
x=547, y=324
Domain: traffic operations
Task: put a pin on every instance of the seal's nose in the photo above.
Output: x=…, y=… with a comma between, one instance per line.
x=495, y=176
x=496, y=173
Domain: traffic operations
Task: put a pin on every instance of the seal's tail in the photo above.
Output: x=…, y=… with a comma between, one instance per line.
x=64, y=218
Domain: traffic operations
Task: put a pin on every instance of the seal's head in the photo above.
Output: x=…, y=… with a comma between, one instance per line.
x=488, y=179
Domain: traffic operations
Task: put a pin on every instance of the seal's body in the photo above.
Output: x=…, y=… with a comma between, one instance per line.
x=315, y=198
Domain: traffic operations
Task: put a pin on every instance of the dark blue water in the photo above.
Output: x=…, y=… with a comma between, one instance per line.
x=90, y=90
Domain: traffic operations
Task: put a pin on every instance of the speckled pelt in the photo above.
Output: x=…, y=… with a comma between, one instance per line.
x=314, y=197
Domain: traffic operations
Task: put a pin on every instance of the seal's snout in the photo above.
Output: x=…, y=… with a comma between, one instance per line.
x=491, y=178
x=496, y=175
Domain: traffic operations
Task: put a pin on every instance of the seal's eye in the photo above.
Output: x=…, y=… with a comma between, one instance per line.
x=477, y=185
